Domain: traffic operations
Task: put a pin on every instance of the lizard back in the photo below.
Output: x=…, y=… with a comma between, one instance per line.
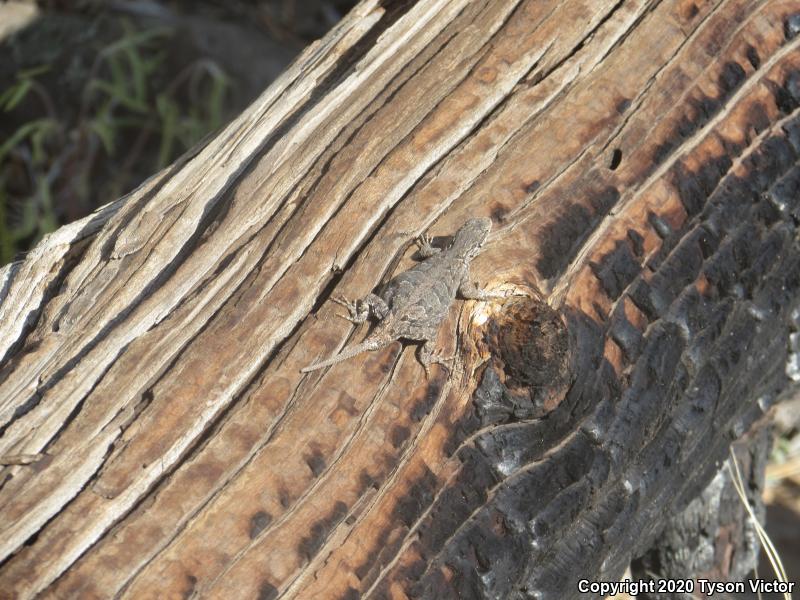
x=419, y=298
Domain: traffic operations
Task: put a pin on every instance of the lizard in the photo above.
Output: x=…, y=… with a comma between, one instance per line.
x=413, y=304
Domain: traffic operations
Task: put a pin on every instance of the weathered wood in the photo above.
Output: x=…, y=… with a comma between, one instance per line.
x=639, y=159
x=714, y=538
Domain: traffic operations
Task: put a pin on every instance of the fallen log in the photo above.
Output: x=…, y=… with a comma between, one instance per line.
x=639, y=161
x=713, y=540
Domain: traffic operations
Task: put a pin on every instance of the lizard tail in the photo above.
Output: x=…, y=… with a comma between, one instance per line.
x=349, y=352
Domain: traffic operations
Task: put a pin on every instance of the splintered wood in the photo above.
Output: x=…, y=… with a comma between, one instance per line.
x=639, y=161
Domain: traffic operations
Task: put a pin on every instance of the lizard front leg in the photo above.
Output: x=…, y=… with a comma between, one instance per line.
x=425, y=247
x=469, y=291
x=360, y=310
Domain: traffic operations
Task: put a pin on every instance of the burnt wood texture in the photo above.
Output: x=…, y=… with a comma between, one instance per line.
x=639, y=161
x=713, y=538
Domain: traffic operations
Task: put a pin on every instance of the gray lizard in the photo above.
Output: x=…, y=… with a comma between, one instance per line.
x=412, y=305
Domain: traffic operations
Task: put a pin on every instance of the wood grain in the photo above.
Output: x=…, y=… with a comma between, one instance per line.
x=639, y=159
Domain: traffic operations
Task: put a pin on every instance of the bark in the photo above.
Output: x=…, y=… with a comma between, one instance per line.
x=714, y=538
x=639, y=159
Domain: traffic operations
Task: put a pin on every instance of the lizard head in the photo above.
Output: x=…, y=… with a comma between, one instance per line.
x=469, y=239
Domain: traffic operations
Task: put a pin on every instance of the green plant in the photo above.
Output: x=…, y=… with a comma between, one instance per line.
x=126, y=124
x=26, y=150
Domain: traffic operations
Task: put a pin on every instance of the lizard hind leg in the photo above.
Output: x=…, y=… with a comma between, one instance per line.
x=360, y=310
x=428, y=355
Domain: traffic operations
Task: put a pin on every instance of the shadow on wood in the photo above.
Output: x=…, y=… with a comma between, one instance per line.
x=639, y=161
